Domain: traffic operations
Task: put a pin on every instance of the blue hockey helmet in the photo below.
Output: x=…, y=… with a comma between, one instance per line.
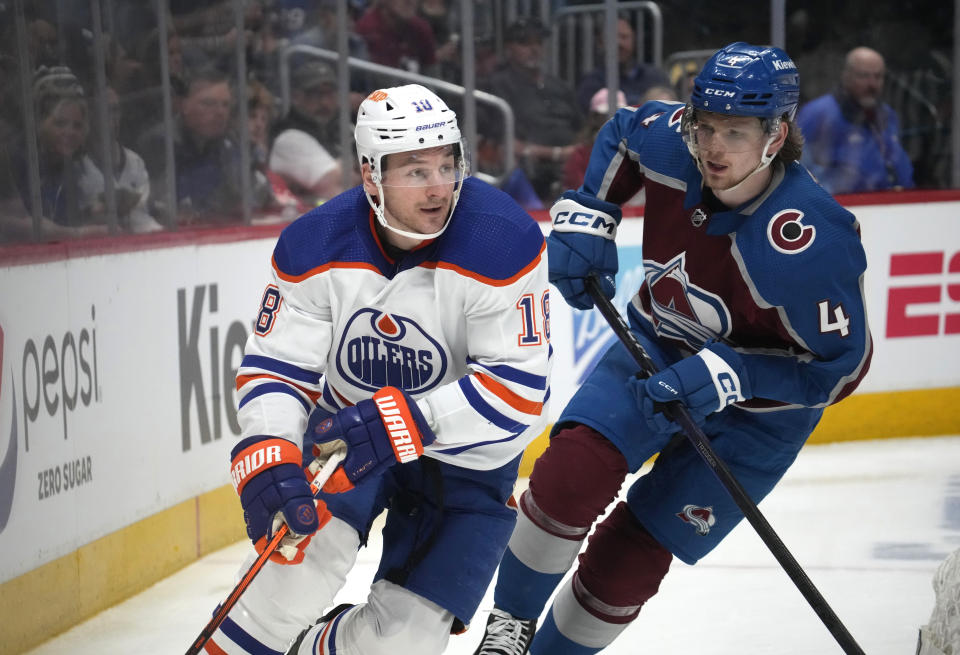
x=746, y=80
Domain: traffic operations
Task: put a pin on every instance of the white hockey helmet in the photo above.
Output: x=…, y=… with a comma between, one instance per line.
x=403, y=119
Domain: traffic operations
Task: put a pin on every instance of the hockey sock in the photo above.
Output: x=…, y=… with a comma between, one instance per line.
x=569, y=629
x=532, y=566
x=528, y=591
x=571, y=484
x=550, y=641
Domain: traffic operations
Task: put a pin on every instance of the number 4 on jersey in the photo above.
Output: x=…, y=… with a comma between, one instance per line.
x=839, y=323
x=530, y=335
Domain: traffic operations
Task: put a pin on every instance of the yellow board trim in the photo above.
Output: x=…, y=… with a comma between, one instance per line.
x=56, y=596
x=60, y=594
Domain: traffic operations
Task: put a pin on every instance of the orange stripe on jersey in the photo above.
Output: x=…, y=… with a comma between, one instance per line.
x=519, y=403
x=213, y=649
x=243, y=379
x=322, y=269
x=340, y=396
x=323, y=638
x=489, y=280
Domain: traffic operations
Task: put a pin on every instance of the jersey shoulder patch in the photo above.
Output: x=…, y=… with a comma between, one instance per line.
x=801, y=238
x=325, y=234
x=490, y=236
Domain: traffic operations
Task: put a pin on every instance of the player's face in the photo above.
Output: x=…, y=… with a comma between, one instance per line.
x=418, y=188
x=729, y=147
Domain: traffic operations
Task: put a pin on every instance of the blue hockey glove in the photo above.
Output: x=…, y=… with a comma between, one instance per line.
x=706, y=383
x=376, y=433
x=582, y=241
x=273, y=489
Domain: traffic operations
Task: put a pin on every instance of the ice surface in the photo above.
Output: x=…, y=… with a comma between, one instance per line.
x=868, y=521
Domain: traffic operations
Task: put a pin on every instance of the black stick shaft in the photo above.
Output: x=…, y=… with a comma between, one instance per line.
x=679, y=413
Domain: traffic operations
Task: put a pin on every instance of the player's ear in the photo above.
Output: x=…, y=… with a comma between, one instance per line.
x=366, y=174
x=781, y=137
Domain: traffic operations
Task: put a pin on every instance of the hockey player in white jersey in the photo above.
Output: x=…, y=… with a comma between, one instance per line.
x=407, y=324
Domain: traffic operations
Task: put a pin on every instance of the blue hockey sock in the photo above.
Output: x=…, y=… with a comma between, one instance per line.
x=550, y=641
x=522, y=591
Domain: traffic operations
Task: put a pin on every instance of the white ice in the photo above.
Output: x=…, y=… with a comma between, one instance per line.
x=868, y=522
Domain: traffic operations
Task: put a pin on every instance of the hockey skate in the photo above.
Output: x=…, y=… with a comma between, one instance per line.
x=506, y=635
x=326, y=618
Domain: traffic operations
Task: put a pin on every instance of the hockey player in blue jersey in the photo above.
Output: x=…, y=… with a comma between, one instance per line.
x=408, y=319
x=752, y=308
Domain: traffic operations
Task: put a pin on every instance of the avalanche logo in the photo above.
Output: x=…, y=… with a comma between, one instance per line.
x=682, y=310
x=701, y=518
x=8, y=464
x=379, y=349
x=787, y=234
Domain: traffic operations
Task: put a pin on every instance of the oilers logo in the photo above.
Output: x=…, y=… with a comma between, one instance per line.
x=682, y=310
x=378, y=349
x=701, y=518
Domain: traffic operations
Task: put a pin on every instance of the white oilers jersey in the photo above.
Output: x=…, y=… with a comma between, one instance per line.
x=461, y=323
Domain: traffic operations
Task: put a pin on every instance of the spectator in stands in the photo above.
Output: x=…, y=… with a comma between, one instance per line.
x=444, y=23
x=852, y=136
x=271, y=193
x=546, y=115
x=307, y=140
x=635, y=77
x=662, y=93
x=131, y=181
x=206, y=156
x=208, y=30
x=397, y=37
x=314, y=23
x=71, y=185
x=141, y=98
x=576, y=164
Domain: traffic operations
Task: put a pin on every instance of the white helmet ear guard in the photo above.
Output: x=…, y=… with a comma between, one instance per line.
x=402, y=119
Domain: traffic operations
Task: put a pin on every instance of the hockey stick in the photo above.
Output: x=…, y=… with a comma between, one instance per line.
x=678, y=412
x=315, y=486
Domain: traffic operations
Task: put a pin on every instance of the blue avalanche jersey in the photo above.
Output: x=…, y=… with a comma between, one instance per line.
x=779, y=279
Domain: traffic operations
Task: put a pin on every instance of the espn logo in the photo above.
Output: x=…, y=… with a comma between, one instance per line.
x=396, y=418
x=928, y=272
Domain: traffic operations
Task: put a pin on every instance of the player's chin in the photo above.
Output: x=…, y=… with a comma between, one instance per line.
x=435, y=215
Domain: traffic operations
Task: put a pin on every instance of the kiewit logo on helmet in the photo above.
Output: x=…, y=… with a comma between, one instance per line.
x=784, y=65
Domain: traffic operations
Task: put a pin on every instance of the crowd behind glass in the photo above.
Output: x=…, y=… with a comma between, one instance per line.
x=94, y=143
